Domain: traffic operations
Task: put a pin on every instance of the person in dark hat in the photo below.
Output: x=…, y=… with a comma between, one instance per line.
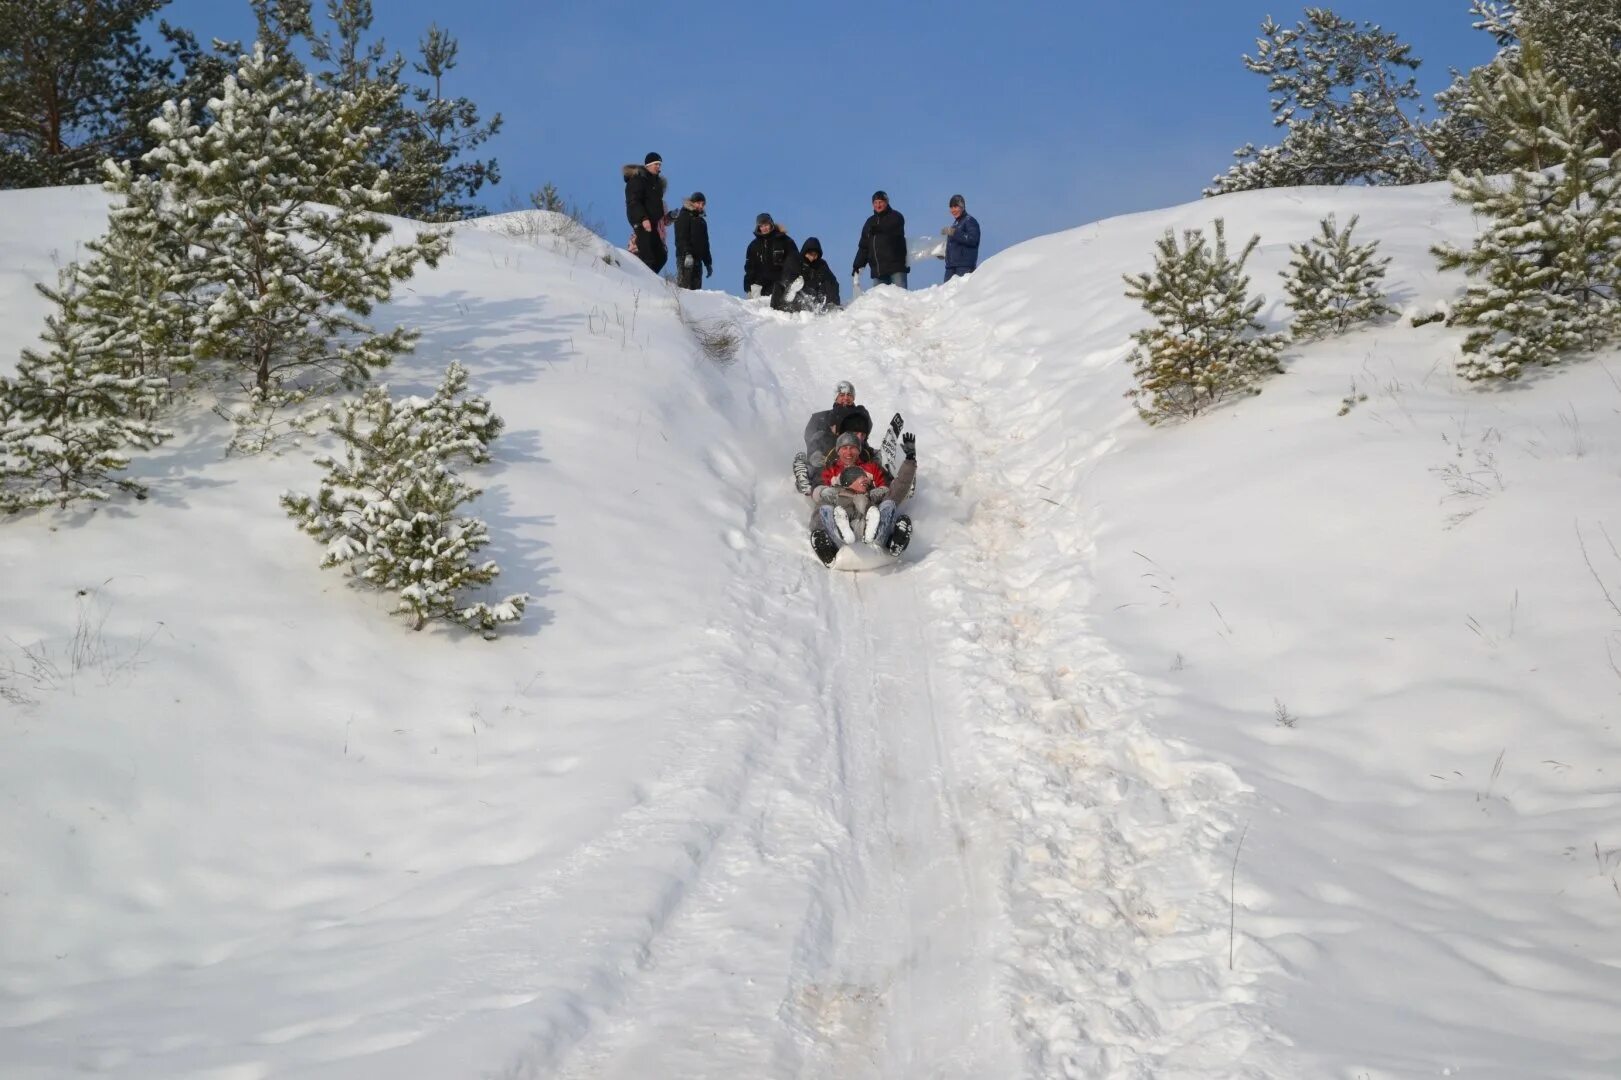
x=883, y=245
x=644, y=208
x=962, y=240
x=692, y=261
x=767, y=254
x=807, y=283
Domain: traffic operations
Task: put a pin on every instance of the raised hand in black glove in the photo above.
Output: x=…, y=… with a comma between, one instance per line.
x=909, y=444
x=896, y=423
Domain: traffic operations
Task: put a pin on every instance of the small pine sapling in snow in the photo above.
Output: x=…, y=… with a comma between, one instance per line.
x=1334, y=284
x=389, y=508
x=1546, y=269
x=71, y=413
x=1206, y=344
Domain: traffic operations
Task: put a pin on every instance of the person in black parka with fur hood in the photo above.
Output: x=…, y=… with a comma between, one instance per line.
x=767, y=254
x=807, y=283
x=644, y=208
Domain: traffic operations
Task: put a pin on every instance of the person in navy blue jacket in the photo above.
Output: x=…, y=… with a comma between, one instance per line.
x=962, y=240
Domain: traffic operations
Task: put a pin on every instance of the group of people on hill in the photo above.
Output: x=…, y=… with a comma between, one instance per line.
x=796, y=277
x=854, y=499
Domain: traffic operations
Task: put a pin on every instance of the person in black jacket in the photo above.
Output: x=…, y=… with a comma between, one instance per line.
x=692, y=243
x=644, y=208
x=883, y=244
x=807, y=283
x=767, y=253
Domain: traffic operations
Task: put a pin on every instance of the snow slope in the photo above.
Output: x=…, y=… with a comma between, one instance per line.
x=712, y=811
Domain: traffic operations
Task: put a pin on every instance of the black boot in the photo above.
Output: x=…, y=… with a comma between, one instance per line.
x=901, y=535
x=826, y=547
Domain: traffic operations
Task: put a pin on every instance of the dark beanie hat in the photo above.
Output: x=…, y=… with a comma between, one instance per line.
x=880, y=194
x=698, y=196
x=651, y=157
x=957, y=200
x=811, y=244
x=762, y=219
x=853, y=475
x=857, y=419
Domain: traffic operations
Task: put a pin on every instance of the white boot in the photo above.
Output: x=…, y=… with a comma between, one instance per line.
x=841, y=519
x=869, y=532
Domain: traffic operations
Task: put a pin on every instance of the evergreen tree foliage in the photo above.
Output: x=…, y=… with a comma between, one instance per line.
x=389, y=509
x=135, y=284
x=436, y=179
x=1546, y=268
x=274, y=203
x=1333, y=284
x=422, y=138
x=1341, y=93
x=547, y=197
x=77, y=85
x=1206, y=344
x=71, y=414
x=1580, y=44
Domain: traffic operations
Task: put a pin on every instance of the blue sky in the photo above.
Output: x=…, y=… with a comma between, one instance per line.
x=1046, y=114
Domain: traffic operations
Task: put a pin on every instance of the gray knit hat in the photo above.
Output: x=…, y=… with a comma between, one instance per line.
x=845, y=387
x=849, y=438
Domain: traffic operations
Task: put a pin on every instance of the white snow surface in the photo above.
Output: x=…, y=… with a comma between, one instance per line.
x=713, y=811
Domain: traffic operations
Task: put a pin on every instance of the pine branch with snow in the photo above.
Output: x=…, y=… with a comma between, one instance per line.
x=389, y=509
x=1333, y=284
x=72, y=413
x=1546, y=270
x=1206, y=344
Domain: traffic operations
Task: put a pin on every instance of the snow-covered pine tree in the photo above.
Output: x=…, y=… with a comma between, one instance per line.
x=1206, y=344
x=1546, y=269
x=1580, y=42
x=1333, y=284
x=135, y=283
x=1341, y=92
x=72, y=412
x=275, y=205
x=389, y=508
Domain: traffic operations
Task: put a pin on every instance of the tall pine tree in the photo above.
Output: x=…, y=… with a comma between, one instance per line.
x=436, y=179
x=77, y=85
x=275, y=204
x=1342, y=95
x=1546, y=268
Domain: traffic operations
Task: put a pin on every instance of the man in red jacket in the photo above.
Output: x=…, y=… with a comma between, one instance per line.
x=869, y=489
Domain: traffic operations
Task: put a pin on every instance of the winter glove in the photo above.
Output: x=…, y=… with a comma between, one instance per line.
x=755, y=291
x=855, y=281
x=687, y=261
x=709, y=271
x=896, y=423
x=949, y=230
x=909, y=444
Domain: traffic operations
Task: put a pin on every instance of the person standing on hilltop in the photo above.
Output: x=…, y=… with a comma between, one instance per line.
x=644, y=208
x=692, y=259
x=962, y=240
x=883, y=245
x=766, y=256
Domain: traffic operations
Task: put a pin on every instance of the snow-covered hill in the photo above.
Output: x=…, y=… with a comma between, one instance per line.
x=713, y=811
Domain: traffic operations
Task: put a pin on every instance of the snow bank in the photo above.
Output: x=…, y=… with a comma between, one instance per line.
x=712, y=811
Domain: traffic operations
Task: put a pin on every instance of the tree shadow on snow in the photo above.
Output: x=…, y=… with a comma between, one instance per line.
x=501, y=342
